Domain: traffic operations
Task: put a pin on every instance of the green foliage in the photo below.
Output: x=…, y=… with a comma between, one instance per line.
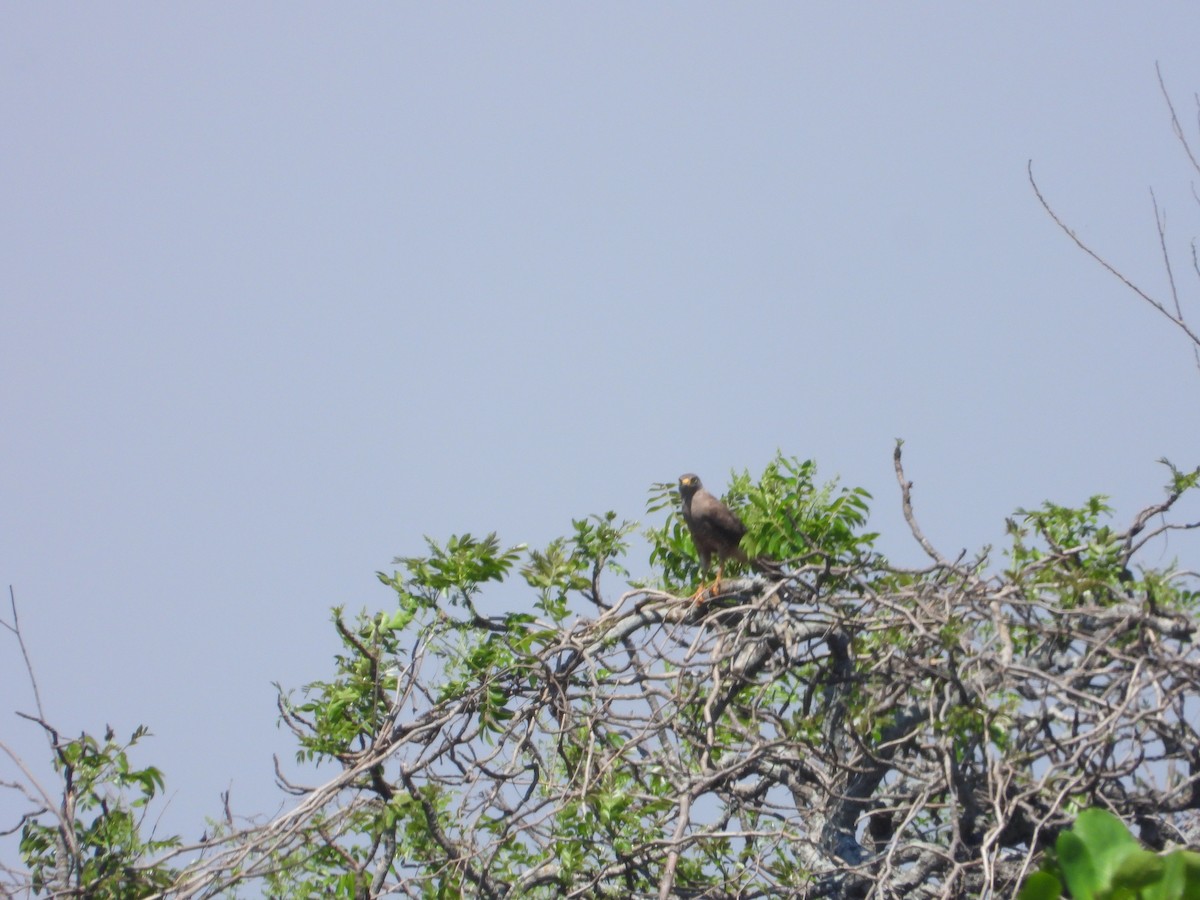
x=105, y=797
x=343, y=715
x=484, y=663
x=574, y=564
x=457, y=571
x=554, y=573
x=788, y=518
x=1180, y=481
x=1073, y=556
x=1098, y=859
x=1094, y=556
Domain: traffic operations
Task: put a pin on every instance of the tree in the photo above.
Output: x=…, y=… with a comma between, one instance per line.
x=852, y=729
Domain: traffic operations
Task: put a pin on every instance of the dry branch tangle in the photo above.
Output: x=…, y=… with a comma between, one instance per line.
x=855, y=731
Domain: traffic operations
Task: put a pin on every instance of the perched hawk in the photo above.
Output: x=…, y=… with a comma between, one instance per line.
x=715, y=529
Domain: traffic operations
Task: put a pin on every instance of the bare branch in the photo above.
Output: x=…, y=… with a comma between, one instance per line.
x=906, y=498
x=15, y=628
x=1175, y=126
x=1177, y=321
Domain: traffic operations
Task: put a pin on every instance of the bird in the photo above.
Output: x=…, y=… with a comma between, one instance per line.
x=715, y=529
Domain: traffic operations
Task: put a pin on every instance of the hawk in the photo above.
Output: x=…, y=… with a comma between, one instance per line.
x=715, y=529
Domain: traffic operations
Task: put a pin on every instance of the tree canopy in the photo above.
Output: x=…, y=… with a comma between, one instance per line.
x=848, y=728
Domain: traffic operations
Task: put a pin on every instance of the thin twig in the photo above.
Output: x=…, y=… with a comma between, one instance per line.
x=15, y=628
x=1175, y=126
x=1176, y=320
x=1160, y=222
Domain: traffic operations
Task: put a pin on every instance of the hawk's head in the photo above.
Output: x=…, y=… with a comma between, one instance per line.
x=689, y=484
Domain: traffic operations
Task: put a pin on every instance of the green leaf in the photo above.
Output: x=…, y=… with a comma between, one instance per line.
x=399, y=620
x=1077, y=866
x=1139, y=869
x=1108, y=843
x=1041, y=886
x=1189, y=861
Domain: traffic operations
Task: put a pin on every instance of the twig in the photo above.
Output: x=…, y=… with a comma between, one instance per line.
x=1178, y=321
x=1175, y=126
x=906, y=494
x=15, y=628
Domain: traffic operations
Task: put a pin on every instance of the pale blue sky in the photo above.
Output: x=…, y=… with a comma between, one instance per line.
x=286, y=286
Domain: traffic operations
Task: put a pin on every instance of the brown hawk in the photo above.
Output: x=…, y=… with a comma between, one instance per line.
x=715, y=529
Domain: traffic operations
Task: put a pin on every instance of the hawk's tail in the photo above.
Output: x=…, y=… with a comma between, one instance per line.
x=768, y=566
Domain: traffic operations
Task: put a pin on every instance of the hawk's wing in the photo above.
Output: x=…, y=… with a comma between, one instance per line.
x=715, y=527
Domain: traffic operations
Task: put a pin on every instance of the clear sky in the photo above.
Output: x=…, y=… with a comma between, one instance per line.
x=284, y=287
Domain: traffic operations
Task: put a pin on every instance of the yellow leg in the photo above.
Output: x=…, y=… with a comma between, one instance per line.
x=711, y=590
